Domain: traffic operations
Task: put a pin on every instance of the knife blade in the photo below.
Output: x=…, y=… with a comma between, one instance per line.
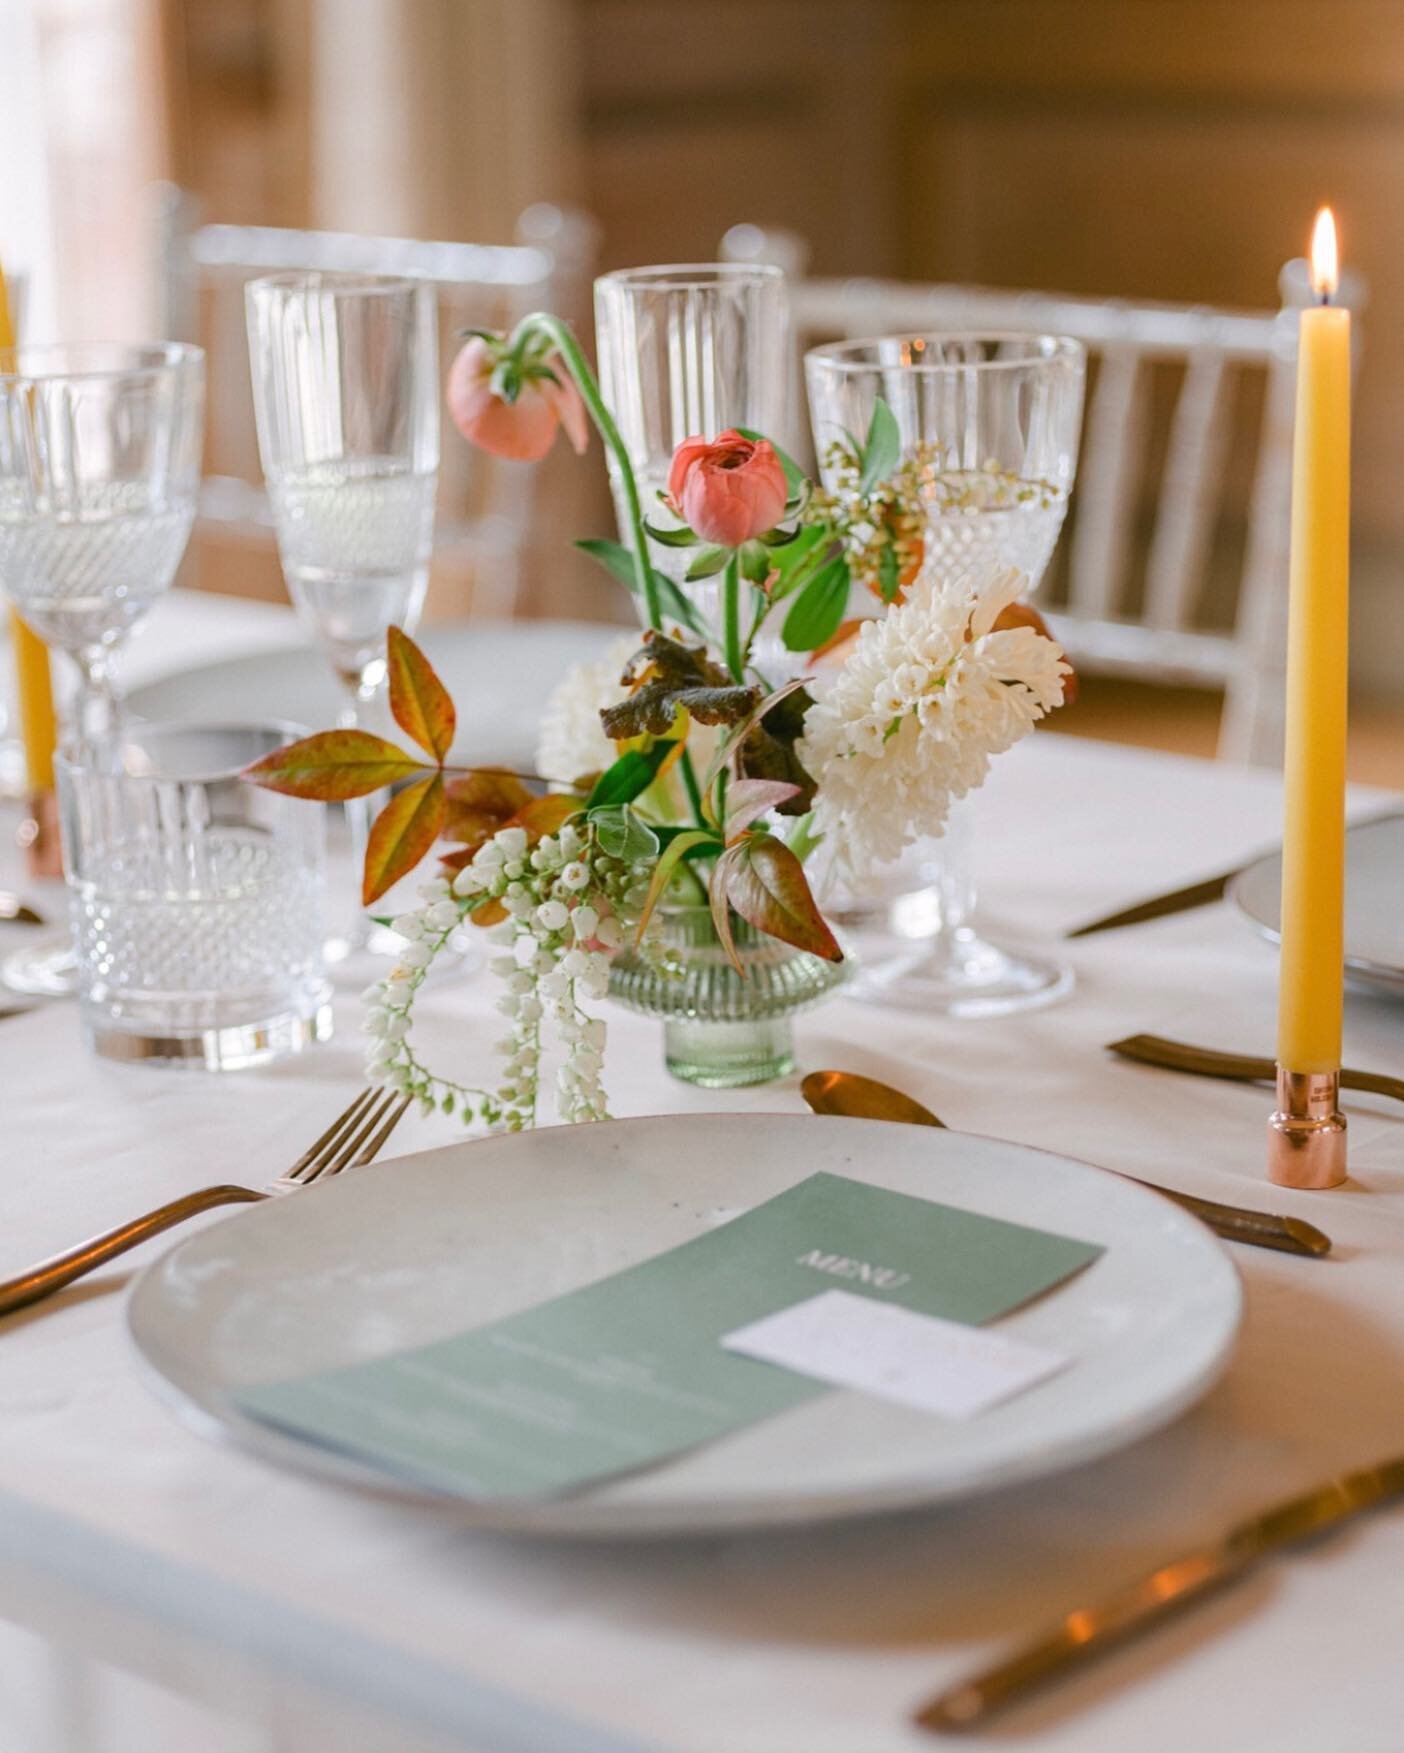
x=1200, y=894
x=1238, y=1067
x=1089, y=1630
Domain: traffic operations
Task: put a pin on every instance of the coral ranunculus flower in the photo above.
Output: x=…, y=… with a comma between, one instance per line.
x=728, y=490
x=523, y=430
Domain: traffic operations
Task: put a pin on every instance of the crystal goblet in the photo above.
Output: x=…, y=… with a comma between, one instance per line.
x=996, y=420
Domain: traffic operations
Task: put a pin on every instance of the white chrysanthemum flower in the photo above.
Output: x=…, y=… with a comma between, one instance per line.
x=928, y=693
x=570, y=740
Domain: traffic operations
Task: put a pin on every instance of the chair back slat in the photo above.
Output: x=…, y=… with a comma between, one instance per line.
x=1109, y=475
x=1189, y=494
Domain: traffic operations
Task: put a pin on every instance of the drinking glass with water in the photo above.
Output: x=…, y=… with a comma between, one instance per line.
x=196, y=899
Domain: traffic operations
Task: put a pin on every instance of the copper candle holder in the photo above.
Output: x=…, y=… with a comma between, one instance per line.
x=1307, y=1134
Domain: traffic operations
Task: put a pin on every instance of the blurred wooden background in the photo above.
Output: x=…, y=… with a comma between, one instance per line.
x=1169, y=149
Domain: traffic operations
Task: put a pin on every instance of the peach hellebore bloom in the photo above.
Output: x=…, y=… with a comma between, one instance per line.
x=728, y=490
x=523, y=430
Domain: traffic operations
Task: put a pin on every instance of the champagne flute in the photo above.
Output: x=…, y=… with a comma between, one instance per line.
x=346, y=394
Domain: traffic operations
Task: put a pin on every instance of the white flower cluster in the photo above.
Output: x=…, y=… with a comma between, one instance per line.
x=928, y=693
x=570, y=740
x=569, y=906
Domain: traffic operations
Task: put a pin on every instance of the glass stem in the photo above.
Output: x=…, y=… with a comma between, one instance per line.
x=97, y=710
x=365, y=689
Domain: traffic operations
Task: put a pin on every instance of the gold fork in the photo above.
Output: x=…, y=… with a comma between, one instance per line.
x=354, y=1137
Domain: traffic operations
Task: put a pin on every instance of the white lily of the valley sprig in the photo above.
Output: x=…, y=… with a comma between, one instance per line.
x=570, y=905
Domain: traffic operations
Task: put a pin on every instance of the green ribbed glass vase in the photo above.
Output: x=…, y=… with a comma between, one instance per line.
x=719, y=1030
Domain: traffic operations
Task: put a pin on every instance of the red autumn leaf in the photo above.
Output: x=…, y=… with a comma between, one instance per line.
x=420, y=702
x=481, y=802
x=721, y=906
x=334, y=765
x=767, y=886
x=749, y=799
x=401, y=835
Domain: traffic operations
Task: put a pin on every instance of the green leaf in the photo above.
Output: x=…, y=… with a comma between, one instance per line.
x=679, y=537
x=708, y=562
x=817, y=610
x=674, y=853
x=882, y=449
x=795, y=478
x=617, y=559
x=889, y=574
x=631, y=774
x=333, y=766
x=622, y=833
x=755, y=562
x=766, y=885
x=421, y=704
x=401, y=835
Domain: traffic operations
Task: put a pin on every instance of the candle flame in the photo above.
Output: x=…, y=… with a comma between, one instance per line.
x=1325, y=260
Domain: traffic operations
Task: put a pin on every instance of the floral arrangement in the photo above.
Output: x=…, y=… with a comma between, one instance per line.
x=680, y=772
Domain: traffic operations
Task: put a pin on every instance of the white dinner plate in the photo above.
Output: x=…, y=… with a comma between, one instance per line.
x=499, y=673
x=419, y=1248
x=1374, y=904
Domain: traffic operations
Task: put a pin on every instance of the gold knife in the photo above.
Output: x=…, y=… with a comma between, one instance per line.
x=1090, y=1630
x=1161, y=906
x=1238, y=1067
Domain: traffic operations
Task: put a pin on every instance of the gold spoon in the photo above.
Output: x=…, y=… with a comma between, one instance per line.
x=864, y=1098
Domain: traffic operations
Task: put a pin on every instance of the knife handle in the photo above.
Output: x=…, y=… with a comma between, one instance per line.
x=1083, y=1634
x=1260, y=1229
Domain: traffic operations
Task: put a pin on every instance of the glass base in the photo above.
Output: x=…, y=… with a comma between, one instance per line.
x=232, y=1048
x=728, y=1056
x=42, y=970
x=961, y=974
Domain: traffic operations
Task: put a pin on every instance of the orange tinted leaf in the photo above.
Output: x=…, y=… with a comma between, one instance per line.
x=541, y=816
x=481, y=802
x=334, y=765
x=767, y=886
x=490, y=913
x=421, y=703
x=401, y=835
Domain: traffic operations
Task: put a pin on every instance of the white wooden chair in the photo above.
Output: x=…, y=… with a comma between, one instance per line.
x=485, y=506
x=1162, y=636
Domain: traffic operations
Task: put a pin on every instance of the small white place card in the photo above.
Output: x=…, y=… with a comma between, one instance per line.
x=899, y=1354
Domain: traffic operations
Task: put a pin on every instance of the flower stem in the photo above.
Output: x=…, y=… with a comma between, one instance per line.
x=543, y=323
x=731, y=618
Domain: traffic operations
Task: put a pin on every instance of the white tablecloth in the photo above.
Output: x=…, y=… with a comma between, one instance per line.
x=308, y=1617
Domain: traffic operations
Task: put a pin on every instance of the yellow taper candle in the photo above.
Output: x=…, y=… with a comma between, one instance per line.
x=1310, y=998
x=34, y=683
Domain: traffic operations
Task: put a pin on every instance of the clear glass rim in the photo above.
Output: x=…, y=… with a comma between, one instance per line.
x=853, y=357
x=342, y=283
x=278, y=732
x=692, y=276
x=96, y=361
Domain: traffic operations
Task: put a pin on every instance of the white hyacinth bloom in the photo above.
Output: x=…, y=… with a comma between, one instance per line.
x=571, y=741
x=928, y=693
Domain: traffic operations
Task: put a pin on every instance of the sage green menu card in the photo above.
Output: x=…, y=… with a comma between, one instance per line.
x=628, y=1371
